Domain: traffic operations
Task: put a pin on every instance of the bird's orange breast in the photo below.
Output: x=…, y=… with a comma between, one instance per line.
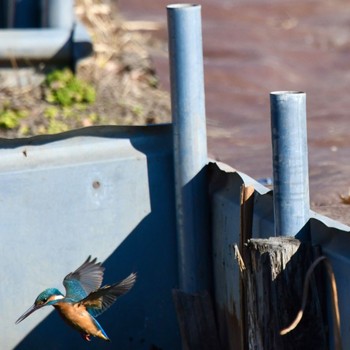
x=78, y=317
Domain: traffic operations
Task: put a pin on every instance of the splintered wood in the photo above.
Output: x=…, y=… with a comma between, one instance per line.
x=276, y=269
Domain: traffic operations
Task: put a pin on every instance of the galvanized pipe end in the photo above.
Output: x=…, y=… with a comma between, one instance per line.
x=182, y=6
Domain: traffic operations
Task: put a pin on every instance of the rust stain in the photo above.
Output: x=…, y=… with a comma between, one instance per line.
x=230, y=329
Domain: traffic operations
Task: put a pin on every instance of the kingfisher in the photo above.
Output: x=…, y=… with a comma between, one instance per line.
x=85, y=299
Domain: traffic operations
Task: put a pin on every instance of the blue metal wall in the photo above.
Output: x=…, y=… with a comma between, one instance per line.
x=332, y=236
x=108, y=192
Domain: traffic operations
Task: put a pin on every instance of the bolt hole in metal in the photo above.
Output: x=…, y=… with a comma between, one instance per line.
x=96, y=184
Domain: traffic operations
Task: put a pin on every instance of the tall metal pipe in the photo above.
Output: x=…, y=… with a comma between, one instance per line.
x=290, y=162
x=190, y=144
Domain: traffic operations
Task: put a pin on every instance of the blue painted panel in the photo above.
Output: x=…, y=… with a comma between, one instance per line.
x=334, y=239
x=104, y=191
x=225, y=202
x=225, y=189
x=332, y=236
x=263, y=216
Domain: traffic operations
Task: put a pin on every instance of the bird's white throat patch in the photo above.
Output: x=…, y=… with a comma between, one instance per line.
x=56, y=297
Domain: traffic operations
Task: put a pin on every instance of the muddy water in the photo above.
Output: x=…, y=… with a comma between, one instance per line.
x=253, y=47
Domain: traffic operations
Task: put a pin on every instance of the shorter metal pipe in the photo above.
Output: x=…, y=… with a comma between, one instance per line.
x=290, y=162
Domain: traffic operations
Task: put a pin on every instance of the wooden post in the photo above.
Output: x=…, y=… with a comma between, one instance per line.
x=196, y=320
x=275, y=272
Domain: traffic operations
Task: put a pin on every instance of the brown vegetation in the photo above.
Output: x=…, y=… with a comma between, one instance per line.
x=119, y=70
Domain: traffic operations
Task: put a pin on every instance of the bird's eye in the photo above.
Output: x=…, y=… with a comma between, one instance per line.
x=42, y=301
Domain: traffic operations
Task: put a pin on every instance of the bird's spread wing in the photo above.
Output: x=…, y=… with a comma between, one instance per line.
x=85, y=279
x=99, y=301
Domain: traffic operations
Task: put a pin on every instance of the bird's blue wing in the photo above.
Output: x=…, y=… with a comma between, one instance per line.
x=99, y=301
x=85, y=279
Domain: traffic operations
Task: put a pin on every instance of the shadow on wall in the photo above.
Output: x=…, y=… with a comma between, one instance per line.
x=145, y=317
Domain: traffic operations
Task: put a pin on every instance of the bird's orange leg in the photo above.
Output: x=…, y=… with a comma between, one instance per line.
x=86, y=336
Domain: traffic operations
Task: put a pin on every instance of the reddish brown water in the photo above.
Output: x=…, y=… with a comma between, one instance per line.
x=253, y=47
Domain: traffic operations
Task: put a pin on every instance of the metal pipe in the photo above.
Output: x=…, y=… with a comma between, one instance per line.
x=190, y=144
x=8, y=13
x=290, y=162
x=63, y=40
x=60, y=14
x=57, y=45
x=35, y=44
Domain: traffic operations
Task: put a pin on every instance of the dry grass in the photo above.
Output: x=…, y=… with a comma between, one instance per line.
x=120, y=70
x=345, y=198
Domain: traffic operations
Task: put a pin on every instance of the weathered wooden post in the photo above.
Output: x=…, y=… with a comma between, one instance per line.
x=276, y=268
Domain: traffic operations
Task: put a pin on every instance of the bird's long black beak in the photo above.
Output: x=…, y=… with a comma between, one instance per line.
x=28, y=312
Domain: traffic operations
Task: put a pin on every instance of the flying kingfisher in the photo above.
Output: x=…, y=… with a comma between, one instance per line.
x=84, y=299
